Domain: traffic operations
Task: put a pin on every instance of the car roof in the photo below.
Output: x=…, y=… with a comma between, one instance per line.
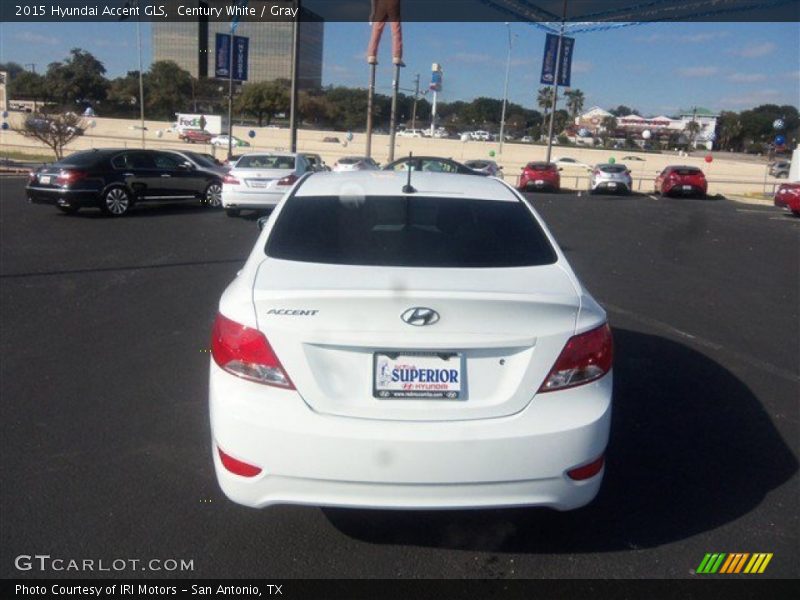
x=270, y=153
x=673, y=167
x=391, y=183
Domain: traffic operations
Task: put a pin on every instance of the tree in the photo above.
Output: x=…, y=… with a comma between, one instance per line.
x=607, y=128
x=55, y=131
x=692, y=129
x=544, y=99
x=264, y=100
x=79, y=79
x=623, y=111
x=314, y=107
x=168, y=90
x=27, y=85
x=575, y=100
x=729, y=131
x=12, y=69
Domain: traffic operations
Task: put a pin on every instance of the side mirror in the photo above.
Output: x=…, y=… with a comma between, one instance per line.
x=262, y=222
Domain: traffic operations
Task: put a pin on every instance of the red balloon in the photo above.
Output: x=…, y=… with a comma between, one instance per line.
x=709, y=158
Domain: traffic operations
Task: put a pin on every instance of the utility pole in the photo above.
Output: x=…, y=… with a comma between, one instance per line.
x=370, y=98
x=295, y=75
x=505, y=92
x=555, y=87
x=141, y=80
x=33, y=70
x=393, y=119
x=230, y=95
x=416, y=98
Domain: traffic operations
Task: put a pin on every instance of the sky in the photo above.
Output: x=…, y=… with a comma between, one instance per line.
x=657, y=68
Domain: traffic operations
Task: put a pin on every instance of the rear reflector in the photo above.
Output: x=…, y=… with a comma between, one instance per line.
x=586, y=357
x=237, y=467
x=246, y=353
x=587, y=471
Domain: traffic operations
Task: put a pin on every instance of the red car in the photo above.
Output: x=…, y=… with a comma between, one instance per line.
x=199, y=136
x=539, y=176
x=788, y=197
x=681, y=180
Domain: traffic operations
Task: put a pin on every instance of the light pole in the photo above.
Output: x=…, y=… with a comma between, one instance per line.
x=505, y=90
x=555, y=87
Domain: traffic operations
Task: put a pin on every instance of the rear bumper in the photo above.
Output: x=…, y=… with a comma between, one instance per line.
x=531, y=185
x=612, y=187
x=62, y=196
x=260, y=199
x=309, y=458
x=678, y=190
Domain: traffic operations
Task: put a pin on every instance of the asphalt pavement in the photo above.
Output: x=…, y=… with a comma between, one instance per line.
x=105, y=437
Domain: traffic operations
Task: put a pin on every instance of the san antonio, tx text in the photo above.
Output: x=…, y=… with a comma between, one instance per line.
x=149, y=590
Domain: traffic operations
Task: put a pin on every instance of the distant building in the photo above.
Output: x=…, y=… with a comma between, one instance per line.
x=191, y=46
x=660, y=127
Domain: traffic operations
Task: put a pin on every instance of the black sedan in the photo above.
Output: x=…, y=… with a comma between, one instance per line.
x=432, y=164
x=115, y=180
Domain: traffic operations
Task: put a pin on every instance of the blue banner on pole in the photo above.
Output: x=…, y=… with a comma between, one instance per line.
x=240, y=56
x=222, y=57
x=549, y=60
x=565, y=61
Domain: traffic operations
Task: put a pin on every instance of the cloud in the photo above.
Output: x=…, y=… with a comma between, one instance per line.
x=581, y=66
x=695, y=38
x=697, y=71
x=755, y=50
x=106, y=43
x=750, y=99
x=29, y=37
x=793, y=74
x=746, y=77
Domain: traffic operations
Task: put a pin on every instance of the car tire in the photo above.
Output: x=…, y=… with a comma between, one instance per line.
x=232, y=212
x=116, y=202
x=212, y=197
x=68, y=209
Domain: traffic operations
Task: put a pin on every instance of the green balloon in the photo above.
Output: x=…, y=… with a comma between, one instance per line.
x=612, y=160
x=491, y=152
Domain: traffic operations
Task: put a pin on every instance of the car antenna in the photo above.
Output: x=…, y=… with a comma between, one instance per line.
x=408, y=188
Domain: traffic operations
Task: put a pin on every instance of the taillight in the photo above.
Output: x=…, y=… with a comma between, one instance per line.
x=230, y=179
x=586, y=357
x=587, y=471
x=67, y=176
x=32, y=176
x=288, y=180
x=237, y=467
x=597, y=173
x=246, y=353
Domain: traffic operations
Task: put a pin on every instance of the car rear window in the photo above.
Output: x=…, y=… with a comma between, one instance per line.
x=477, y=164
x=613, y=168
x=409, y=231
x=82, y=159
x=688, y=171
x=349, y=160
x=265, y=161
x=541, y=167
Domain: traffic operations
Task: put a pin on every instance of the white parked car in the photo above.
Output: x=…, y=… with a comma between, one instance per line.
x=411, y=133
x=571, y=162
x=482, y=136
x=222, y=140
x=260, y=179
x=409, y=348
x=355, y=163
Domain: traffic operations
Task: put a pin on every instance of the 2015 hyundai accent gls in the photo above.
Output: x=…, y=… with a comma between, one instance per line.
x=397, y=344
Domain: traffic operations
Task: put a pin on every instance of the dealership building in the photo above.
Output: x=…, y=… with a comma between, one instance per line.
x=660, y=127
x=191, y=45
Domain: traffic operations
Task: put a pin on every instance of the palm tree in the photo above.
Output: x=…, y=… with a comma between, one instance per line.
x=692, y=128
x=608, y=127
x=545, y=99
x=575, y=99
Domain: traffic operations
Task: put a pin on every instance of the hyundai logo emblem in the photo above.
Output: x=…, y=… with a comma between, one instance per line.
x=419, y=316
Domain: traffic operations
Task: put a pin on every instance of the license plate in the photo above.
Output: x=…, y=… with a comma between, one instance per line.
x=428, y=376
x=612, y=185
x=255, y=183
x=44, y=179
x=687, y=188
x=539, y=182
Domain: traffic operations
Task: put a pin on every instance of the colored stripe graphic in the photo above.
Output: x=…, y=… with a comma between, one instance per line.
x=722, y=563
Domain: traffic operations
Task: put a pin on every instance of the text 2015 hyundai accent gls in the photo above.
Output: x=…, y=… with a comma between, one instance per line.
x=408, y=346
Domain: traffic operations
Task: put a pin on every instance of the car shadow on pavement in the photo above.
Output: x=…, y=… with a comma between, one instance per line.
x=691, y=449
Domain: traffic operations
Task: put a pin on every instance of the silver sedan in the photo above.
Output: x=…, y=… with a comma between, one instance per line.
x=610, y=178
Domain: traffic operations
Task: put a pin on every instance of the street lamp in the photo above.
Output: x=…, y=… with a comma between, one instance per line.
x=505, y=89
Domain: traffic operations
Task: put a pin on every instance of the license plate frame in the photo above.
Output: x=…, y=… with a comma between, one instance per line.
x=44, y=179
x=384, y=389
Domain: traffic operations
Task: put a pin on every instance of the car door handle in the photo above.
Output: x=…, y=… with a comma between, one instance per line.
x=127, y=174
x=166, y=175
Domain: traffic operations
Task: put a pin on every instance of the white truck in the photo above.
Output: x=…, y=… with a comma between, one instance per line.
x=212, y=123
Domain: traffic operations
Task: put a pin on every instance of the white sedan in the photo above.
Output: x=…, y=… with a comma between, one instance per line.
x=222, y=141
x=391, y=346
x=260, y=179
